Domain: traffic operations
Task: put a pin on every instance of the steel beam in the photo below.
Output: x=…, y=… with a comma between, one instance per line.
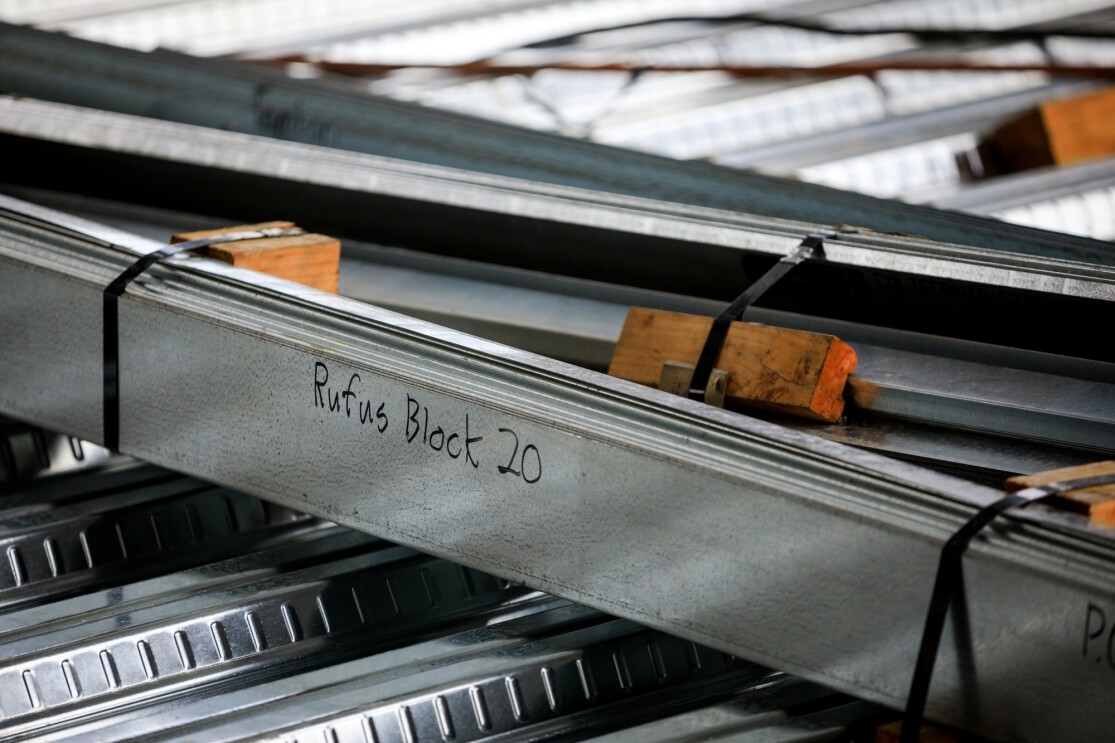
x=902, y=282
x=785, y=549
x=1029, y=397
x=1072, y=413
x=233, y=96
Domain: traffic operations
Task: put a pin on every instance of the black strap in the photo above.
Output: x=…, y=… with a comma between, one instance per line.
x=949, y=573
x=722, y=324
x=112, y=316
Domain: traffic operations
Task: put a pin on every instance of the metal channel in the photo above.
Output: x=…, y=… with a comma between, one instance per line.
x=1071, y=199
x=566, y=480
x=579, y=322
x=436, y=186
x=450, y=290
x=586, y=673
x=229, y=96
x=892, y=132
x=240, y=29
x=64, y=541
x=27, y=452
x=641, y=242
x=230, y=616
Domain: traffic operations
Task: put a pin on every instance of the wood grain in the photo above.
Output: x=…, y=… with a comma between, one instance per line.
x=1098, y=502
x=1056, y=133
x=310, y=259
x=776, y=369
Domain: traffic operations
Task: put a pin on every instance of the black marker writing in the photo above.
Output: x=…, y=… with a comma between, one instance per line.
x=440, y=437
x=529, y=464
x=424, y=427
x=329, y=399
x=348, y=394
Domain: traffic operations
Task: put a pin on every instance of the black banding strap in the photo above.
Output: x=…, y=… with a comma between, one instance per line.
x=949, y=571
x=112, y=316
x=722, y=324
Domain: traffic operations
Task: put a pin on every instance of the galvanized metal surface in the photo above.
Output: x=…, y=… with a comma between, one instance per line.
x=27, y=452
x=462, y=290
x=1075, y=200
x=568, y=481
x=988, y=460
x=913, y=156
x=90, y=539
x=936, y=288
x=308, y=631
x=213, y=27
x=438, y=186
x=904, y=375
x=926, y=167
x=1019, y=402
x=396, y=278
x=1034, y=407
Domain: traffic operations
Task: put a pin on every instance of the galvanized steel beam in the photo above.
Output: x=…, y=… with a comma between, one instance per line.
x=880, y=279
x=1028, y=397
x=785, y=549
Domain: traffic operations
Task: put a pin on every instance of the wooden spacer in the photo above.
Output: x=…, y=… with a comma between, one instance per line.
x=678, y=375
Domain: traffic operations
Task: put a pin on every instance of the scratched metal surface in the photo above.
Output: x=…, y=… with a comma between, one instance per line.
x=567, y=481
x=299, y=630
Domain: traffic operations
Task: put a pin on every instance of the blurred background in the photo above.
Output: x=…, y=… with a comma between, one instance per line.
x=896, y=114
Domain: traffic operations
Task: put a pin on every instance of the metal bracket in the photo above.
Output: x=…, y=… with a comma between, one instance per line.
x=677, y=376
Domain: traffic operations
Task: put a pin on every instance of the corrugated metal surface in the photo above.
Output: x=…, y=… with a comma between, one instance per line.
x=136, y=604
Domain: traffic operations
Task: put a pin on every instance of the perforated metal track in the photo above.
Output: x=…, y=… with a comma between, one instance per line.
x=137, y=604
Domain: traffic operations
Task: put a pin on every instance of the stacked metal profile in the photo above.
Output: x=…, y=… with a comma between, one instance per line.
x=899, y=133
x=137, y=604
x=239, y=378
x=760, y=541
x=339, y=114
x=981, y=388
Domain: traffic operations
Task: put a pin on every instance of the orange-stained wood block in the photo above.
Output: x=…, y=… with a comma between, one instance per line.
x=1060, y=132
x=1098, y=502
x=776, y=369
x=309, y=259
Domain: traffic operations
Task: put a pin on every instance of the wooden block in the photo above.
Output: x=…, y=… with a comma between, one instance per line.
x=1056, y=133
x=1098, y=502
x=309, y=259
x=892, y=732
x=777, y=369
x=677, y=379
